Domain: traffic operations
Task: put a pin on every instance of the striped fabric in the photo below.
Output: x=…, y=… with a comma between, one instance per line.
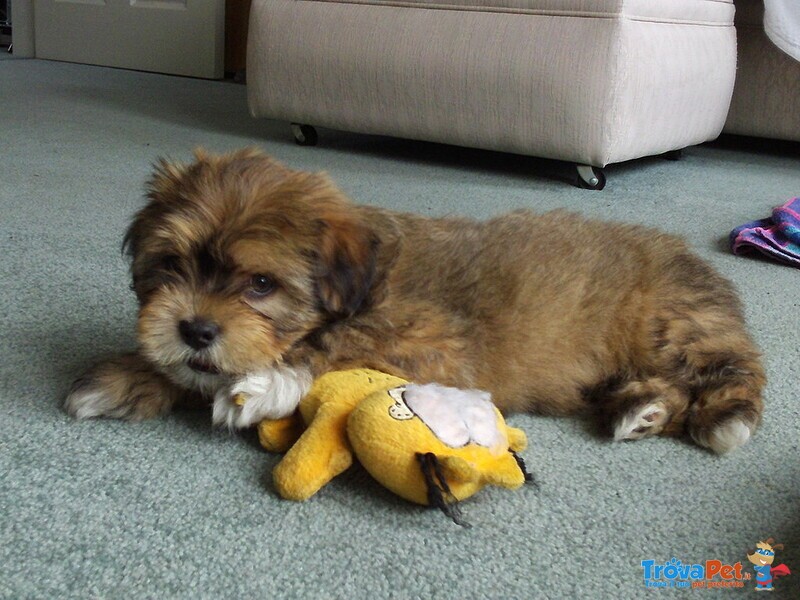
x=777, y=237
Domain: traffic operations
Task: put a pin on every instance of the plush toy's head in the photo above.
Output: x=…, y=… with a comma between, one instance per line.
x=435, y=445
x=344, y=389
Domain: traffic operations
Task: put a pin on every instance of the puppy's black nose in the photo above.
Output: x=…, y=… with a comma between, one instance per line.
x=198, y=333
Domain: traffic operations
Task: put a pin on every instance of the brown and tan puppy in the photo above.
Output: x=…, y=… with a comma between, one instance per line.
x=254, y=278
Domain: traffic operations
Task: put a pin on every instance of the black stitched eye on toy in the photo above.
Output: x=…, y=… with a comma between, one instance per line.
x=262, y=285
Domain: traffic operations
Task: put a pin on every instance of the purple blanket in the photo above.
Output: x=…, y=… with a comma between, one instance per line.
x=777, y=237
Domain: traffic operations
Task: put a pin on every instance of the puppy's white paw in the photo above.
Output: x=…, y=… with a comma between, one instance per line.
x=641, y=422
x=88, y=402
x=123, y=387
x=270, y=394
x=728, y=436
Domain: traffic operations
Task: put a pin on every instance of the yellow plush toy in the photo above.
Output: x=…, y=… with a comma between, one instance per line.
x=429, y=444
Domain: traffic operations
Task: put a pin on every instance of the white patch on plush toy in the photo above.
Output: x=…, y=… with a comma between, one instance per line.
x=457, y=417
x=271, y=394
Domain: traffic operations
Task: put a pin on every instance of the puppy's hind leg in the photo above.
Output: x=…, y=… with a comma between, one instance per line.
x=124, y=387
x=728, y=407
x=640, y=408
x=708, y=352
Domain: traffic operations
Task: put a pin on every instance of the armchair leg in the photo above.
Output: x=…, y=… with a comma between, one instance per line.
x=304, y=135
x=590, y=178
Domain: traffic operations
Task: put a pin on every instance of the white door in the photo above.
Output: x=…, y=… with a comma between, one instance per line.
x=182, y=37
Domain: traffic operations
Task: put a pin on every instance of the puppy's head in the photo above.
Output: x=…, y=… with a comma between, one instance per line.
x=236, y=258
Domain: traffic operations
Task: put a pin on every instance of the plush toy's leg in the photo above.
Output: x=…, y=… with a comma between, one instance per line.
x=457, y=469
x=320, y=454
x=506, y=473
x=281, y=434
x=517, y=440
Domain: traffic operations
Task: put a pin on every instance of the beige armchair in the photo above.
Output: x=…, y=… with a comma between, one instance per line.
x=592, y=82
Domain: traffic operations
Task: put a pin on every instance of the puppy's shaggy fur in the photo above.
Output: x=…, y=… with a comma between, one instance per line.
x=243, y=266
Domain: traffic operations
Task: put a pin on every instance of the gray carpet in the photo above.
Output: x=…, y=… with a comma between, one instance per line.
x=174, y=509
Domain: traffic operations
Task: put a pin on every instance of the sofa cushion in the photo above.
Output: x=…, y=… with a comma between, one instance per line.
x=701, y=12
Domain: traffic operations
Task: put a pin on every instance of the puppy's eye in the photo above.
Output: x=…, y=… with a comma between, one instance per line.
x=261, y=285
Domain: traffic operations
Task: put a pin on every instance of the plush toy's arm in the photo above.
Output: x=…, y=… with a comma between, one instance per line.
x=280, y=434
x=517, y=440
x=321, y=453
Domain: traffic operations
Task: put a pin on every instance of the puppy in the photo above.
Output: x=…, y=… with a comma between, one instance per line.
x=254, y=278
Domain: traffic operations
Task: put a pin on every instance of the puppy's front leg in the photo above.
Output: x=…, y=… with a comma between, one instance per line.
x=124, y=387
x=269, y=394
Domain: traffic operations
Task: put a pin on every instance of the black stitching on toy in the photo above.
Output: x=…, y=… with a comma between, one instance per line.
x=522, y=467
x=439, y=494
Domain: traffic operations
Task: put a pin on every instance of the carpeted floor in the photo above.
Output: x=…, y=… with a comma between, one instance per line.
x=174, y=509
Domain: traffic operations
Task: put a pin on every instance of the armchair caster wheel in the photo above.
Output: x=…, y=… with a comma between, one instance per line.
x=673, y=155
x=590, y=178
x=304, y=135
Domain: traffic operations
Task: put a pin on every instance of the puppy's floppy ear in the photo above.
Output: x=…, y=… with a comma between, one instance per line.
x=160, y=191
x=162, y=194
x=346, y=264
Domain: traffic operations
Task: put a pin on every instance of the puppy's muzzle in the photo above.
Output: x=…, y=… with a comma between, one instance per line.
x=198, y=333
